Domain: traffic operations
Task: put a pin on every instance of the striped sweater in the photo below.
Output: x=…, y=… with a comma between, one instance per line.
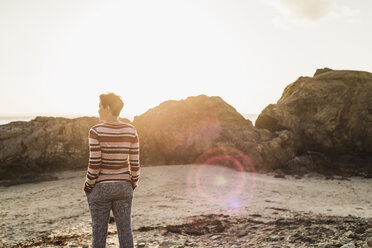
x=113, y=154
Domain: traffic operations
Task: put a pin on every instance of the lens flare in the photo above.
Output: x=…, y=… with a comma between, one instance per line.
x=235, y=203
x=219, y=176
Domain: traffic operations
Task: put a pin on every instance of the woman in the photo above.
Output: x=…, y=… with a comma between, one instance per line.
x=113, y=172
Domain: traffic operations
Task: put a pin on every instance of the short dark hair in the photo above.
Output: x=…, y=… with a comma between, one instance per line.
x=112, y=100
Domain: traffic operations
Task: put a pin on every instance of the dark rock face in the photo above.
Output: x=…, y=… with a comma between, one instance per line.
x=179, y=132
x=43, y=144
x=330, y=112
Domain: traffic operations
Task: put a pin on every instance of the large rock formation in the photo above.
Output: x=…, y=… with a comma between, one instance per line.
x=43, y=144
x=198, y=129
x=319, y=123
x=330, y=113
x=179, y=132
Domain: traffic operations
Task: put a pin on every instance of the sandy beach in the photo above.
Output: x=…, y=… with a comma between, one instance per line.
x=197, y=206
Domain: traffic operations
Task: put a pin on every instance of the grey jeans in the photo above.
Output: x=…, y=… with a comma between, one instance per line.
x=118, y=197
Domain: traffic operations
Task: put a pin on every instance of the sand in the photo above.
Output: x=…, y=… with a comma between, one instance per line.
x=168, y=196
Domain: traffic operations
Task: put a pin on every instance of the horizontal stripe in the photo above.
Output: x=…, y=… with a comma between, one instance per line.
x=95, y=157
x=113, y=167
x=113, y=177
x=113, y=126
x=94, y=163
x=117, y=148
x=93, y=134
x=120, y=132
x=93, y=174
x=92, y=177
x=114, y=173
x=114, y=180
x=113, y=154
x=93, y=166
x=116, y=139
x=116, y=135
x=106, y=159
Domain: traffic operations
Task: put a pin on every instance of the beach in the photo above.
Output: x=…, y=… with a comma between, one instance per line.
x=196, y=206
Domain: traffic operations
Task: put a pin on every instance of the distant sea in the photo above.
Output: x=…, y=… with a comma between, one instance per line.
x=8, y=119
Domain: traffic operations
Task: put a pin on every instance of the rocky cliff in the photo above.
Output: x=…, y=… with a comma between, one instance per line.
x=330, y=113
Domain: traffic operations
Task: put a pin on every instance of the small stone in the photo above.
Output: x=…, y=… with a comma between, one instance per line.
x=325, y=245
x=214, y=237
x=190, y=244
x=141, y=244
x=369, y=242
x=1, y=244
x=349, y=234
x=349, y=245
x=166, y=244
x=242, y=233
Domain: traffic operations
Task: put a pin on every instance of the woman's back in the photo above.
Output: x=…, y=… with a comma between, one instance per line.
x=114, y=153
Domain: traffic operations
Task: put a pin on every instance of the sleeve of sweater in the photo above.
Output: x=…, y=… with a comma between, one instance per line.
x=134, y=160
x=95, y=160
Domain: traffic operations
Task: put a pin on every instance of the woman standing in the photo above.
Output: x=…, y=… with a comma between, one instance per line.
x=113, y=172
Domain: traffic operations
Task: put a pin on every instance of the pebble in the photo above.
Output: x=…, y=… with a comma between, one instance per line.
x=369, y=242
x=349, y=234
x=189, y=243
x=214, y=237
x=141, y=244
x=242, y=233
x=325, y=245
x=349, y=245
x=166, y=244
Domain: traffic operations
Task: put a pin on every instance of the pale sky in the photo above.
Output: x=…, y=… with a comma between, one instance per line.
x=57, y=57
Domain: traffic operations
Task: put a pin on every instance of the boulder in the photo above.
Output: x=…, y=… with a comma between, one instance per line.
x=201, y=129
x=330, y=112
x=175, y=132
